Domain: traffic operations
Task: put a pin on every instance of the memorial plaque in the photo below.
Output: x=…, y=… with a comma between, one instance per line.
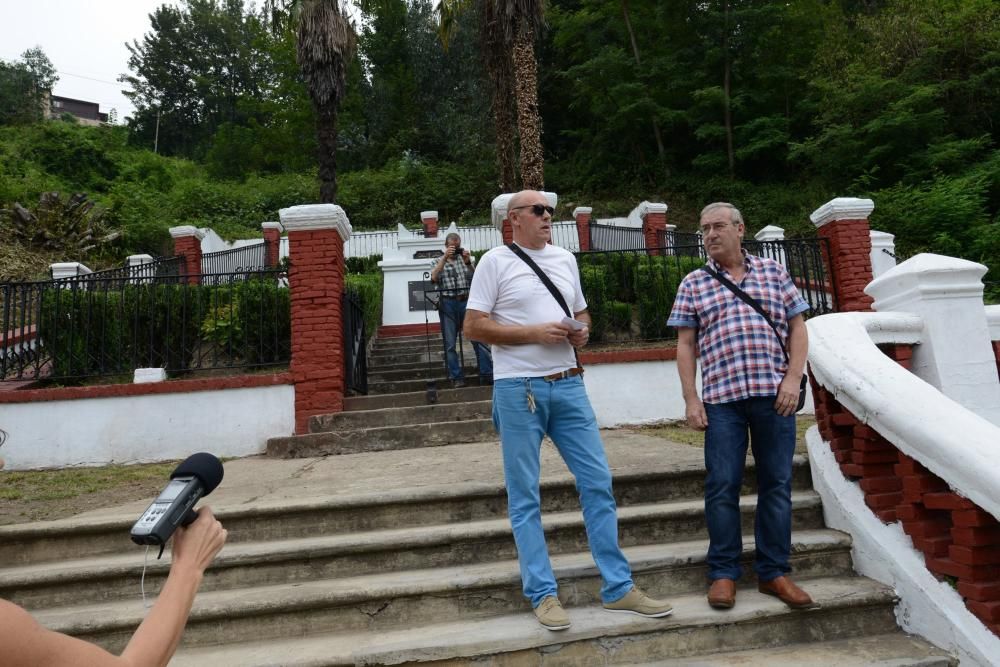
x=418, y=290
x=427, y=254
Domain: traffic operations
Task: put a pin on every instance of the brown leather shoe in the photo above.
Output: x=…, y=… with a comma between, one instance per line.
x=786, y=591
x=722, y=594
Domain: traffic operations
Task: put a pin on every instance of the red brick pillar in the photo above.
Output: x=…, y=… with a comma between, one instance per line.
x=429, y=219
x=654, y=219
x=844, y=221
x=582, y=216
x=272, y=243
x=187, y=244
x=316, y=236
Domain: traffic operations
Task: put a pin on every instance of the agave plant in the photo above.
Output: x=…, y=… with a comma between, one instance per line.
x=71, y=225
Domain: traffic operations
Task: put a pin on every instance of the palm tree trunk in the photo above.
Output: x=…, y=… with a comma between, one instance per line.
x=529, y=123
x=503, y=122
x=326, y=136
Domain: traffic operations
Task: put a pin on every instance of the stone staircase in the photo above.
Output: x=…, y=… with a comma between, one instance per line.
x=396, y=552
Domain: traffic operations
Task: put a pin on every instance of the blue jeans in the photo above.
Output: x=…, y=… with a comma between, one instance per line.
x=452, y=314
x=772, y=439
x=562, y=410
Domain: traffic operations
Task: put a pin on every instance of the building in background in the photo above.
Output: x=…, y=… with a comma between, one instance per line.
x=86, y=113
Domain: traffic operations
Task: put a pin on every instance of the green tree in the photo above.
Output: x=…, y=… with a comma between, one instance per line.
x=25, y=86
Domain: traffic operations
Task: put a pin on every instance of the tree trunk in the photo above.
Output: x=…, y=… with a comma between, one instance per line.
x=660, y=150
x=503, y=121
x=727, y=67
x=529, y=124
x=326, y=137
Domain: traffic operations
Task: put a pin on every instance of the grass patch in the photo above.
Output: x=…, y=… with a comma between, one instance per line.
x=680, y=432
x=35, y=495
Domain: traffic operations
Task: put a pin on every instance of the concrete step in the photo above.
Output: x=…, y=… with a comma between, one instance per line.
x=354, y=441
x=406, y=386
x=383, y=360
x=421, y=414
x=383, y=603
x=679, y=526
x=850, y=607
x=887, y=650
x=406, y=342
x=445, y=394
x=418, y=372
x=295, y=518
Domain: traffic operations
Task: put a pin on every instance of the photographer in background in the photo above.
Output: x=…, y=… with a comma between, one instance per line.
x=453, y=274
x=25, y=643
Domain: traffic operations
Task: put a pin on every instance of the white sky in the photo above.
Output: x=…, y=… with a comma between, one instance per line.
x=84, y=39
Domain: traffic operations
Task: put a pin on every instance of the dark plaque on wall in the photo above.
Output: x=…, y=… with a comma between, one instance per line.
x=418, y=290
x=427, y=254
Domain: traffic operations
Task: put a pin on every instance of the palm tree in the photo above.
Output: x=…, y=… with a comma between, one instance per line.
x=324, y=46
x=508, y=29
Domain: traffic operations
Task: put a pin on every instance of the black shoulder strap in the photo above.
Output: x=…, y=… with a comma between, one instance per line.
x=750, y=302
x=556, y=294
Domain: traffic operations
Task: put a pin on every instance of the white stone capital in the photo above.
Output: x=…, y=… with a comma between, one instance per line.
x=956, y=355
x=582, y=210
x=428, y=215
x=500, y=203
x=271, y=225
x=185, y=231
x=68, y=270
x=139, y=260
x=842, y=208
x=770, y=233
x=146, y=375
x=310, y=217
x=646, y=207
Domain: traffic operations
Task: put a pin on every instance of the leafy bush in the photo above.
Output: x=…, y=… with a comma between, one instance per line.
x=265, y=315
x=593, y=281
x=369, y=288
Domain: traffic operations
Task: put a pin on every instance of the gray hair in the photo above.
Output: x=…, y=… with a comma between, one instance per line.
x=734, y=216
x=451, y=236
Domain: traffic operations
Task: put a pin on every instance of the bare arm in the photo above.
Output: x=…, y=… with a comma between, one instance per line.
x=478, y=326
x=23, y=642
x=798, y=349
x=687, y=353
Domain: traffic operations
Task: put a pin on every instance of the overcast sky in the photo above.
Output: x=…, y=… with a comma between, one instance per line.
x=84, y=39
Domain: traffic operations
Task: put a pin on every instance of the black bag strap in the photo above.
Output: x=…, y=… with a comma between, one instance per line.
x=753, y=303
x=556, y=294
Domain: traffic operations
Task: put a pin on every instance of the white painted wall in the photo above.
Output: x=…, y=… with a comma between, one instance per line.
x=640, y=393
x=154, y=427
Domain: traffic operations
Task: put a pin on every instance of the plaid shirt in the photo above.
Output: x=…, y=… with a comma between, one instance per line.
x=740, y=355
x=454, y=278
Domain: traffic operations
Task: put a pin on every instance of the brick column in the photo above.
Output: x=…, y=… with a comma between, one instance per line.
x=582, y=216
x=272, y=243
x=316, y=236
x=654, y=219
x=844, y=221
x=429, y=219
x=498, y=213
x=187, y=244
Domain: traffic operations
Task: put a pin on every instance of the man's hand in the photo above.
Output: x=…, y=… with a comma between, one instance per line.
x=449, y=251
x=465, y=256
x=694, y=410
x=551, y=333
x=579, y=337
x=788, y=396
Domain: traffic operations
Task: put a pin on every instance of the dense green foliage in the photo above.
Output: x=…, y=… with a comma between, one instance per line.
x=774, y=106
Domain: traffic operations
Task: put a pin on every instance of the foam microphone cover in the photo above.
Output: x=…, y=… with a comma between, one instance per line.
x=206, y=467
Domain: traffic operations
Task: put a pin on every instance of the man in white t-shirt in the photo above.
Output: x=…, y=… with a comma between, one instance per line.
x=538, y=389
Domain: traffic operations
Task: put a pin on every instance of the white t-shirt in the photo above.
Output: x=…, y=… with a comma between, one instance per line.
x=507, y=289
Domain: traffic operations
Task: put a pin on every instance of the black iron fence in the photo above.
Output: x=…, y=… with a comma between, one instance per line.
x=615, y=237
x=355, y=350
x=630, y=292
x=75, y=328
x=248, y=258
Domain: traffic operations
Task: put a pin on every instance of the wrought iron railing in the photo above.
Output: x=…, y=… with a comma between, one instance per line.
x=355, y=352
x=616, y=237
x=247, y=258
x=73, y=329
x=630, y=292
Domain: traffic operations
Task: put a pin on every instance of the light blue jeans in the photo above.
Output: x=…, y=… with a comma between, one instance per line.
x=562, y=410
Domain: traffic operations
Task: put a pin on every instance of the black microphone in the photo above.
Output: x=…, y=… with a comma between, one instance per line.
x=194, y=477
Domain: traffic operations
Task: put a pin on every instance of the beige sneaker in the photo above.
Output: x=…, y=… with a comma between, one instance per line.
x=551, y=614
x=637, y=602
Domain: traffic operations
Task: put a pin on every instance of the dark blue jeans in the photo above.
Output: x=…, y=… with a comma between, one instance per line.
x=452, y=314
x=772, y=440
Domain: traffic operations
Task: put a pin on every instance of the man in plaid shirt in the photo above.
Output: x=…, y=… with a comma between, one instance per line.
x=746, y=385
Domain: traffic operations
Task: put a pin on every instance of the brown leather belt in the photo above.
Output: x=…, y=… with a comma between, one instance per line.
x=562, y=375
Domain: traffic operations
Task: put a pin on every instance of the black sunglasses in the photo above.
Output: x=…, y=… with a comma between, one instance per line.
x=537, y=209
